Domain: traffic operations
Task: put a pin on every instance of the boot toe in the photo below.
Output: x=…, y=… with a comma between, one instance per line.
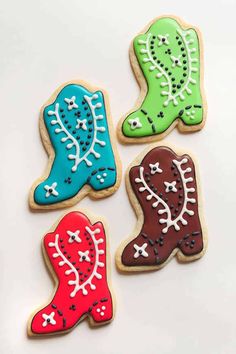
x=51, y=192
x=135, y=255
x=46, y=322
x=135, y=126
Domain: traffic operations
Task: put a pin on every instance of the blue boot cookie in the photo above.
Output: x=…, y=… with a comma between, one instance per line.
x=75, y=131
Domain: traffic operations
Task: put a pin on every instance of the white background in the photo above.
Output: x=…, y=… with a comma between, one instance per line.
x=183, y=309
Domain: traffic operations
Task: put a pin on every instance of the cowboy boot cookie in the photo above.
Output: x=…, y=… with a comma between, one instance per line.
x=166, y=188
x=76, y=251
x=167, y=55
x=80, y=149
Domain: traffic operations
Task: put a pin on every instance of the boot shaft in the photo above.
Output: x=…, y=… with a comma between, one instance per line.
x=77, y=252
x=165, y=185
x=169, y=57
x=77, y=125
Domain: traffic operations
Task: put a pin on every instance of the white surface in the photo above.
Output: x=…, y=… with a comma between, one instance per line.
x=181, y=309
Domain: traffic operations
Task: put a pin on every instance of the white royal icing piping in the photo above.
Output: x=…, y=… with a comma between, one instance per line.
x=102, y=178
x=81, y=124
x=142, y=248
x=154, y=167
x=102, y=313
x=51, y=190
x=84, y=256
x=50, y=318
x=170, y=186
x=168, y=221
x=73, y=236
x=76, y=157
x=161, y=37
x=134, y=123
x=161, y=72
x=176, y=61
x=73, y=105
x=72, y=269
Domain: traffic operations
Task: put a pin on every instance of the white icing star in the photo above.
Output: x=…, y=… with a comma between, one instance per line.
x=163, y=39
x=176, y=61
x=73, y=236
x=81, y=124
x=155, y=168
x=134, y=123
x=48, y=319
x=140, y=250
x=84, y=256
x=170, y=186
x=51, y=190
x=71, y=103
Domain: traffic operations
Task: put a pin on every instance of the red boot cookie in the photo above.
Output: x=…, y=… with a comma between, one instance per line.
x=165, y=186
x=76, y=251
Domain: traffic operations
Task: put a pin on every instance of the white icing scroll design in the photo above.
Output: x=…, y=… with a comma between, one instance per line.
x=161, y=73
x=166, y=210
x=72, y=141
x=64, y=261
x=72, y=270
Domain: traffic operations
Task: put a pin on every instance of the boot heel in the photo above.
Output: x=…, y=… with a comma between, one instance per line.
x=102, y=311
x=192, y=244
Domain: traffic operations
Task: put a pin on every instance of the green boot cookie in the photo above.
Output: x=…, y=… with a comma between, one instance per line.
x=169, y=59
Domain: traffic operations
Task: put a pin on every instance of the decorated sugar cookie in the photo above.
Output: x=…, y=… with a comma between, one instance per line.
x=164, y=191
x=167, y=61
x=77, y=134
x=76, y=254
